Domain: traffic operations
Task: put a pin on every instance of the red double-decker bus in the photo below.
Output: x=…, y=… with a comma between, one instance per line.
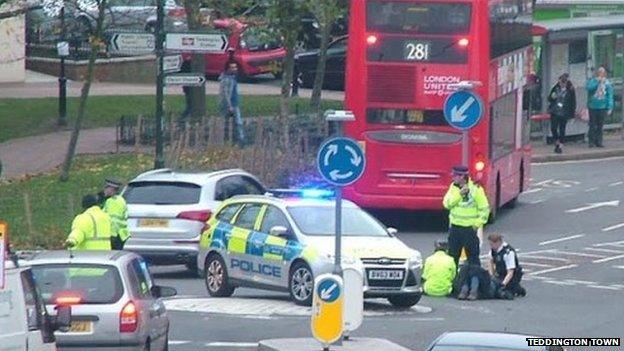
x=404, y=58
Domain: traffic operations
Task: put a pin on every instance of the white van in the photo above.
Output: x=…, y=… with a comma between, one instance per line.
x=24, y=323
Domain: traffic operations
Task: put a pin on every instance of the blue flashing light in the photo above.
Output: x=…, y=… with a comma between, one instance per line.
x=317, y=193
x=311, y=193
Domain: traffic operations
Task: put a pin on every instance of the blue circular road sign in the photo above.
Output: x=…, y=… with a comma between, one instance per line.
x=341, y=161
x=463, y=109
x=328, y=290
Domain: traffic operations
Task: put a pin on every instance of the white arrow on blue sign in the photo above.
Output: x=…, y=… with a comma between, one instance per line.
x=341, y=161
x=463, y=109
x=328, y=290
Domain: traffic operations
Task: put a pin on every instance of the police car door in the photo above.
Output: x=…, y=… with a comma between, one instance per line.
x=242, y=257
x=274, y=247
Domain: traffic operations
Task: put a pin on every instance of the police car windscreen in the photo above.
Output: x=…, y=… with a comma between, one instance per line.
x=320, y=220
x=162, y=193
x=82, y=280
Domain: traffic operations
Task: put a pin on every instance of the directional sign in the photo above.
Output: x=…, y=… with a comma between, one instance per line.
x=172, y=63
x=341, y=161
x=132, y=43
x=327, y=308
x=185, y=79
x=463, y=109
x=193, y=42
x=3, y=250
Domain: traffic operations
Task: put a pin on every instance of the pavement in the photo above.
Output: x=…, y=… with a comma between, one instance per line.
x=39, y=85
x=572, y=251
x=613, y=146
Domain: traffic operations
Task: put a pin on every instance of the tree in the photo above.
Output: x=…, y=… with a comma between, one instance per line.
x=198, y=62
x=326, y=12
x=96, y=41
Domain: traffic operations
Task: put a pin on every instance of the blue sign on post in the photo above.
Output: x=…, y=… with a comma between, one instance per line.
x=341, y=161
x=328, y=290
x=463, y=109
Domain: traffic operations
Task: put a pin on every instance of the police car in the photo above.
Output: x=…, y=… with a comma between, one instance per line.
x=283, y=242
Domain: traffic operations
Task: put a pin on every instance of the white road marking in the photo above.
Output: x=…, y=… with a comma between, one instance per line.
x=613, y=227
x=591, y=189
x=178, y=342
x=603, y=287
x=542, y=182
x=618, y=267
x=524, y=263
x=613, y=243
x=531, y=191
x=554, y=269
x=608, y=259
x=579, y=254
x=616, y=183
x=537, y=201
x=591, y=206
x=584, y=282
x=561, y=239
x=544, y=258
x=557, y=282
x=232, y=344
x=604, y=250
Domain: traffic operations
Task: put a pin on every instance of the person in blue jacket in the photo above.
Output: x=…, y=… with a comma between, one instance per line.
x=599, y=104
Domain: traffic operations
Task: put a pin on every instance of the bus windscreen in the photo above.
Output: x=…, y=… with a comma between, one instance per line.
x=417, y=17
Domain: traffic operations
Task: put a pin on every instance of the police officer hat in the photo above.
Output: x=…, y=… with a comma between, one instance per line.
x=89, y=200
x=441, y=245
x=460, y=170
x=112, y=183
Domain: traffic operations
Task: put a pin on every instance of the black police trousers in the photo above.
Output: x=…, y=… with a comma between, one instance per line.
x=464, y=237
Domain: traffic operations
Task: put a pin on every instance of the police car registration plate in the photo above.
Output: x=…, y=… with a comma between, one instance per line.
x=385, y=275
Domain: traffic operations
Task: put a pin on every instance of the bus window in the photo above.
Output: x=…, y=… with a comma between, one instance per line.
x=417, y=18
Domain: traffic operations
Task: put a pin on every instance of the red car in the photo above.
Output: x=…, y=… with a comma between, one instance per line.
x=254, y=53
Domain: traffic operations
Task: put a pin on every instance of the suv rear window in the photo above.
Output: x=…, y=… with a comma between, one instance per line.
x=84, y=280
x=162, y=193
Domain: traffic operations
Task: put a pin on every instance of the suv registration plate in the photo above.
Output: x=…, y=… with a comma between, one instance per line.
x=385, y=275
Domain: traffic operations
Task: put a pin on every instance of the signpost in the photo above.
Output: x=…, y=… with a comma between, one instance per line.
x=327, y=309
x=132, y=43
x=172, y=63
x=185, y=79
x=196, y=42
x=463, y=110
x=3, y=250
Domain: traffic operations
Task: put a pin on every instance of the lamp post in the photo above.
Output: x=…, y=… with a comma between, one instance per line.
x=63, y=52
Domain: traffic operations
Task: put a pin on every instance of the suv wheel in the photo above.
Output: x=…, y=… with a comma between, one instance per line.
x=301, y=284
x=404, y=301
x=217, y=277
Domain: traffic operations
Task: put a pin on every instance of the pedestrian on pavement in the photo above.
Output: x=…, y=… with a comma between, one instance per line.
x=473, y=282
x=230, y=100
x=505, y=270
x=185, y=68
x=92, y=229
x=562, y=107
x=469, y=210
x=439, y=271
x=599, y=104
x=115, y=206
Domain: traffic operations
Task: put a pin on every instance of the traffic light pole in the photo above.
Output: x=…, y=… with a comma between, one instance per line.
x=159, y=161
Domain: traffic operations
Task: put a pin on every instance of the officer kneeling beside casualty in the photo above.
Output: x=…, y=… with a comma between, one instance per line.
x=505, y=269
x=439, y=272
x=91, y=230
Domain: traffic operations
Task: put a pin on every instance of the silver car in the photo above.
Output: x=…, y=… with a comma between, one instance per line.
x=115, y=305
x=168, y=210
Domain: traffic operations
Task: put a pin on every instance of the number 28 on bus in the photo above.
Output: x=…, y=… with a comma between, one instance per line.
x=404, y=59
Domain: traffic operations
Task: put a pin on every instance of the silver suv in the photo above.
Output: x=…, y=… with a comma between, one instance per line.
x=168, y=210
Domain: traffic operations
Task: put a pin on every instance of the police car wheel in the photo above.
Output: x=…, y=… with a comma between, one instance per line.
x=301, y=284
x=217, y=277
x=404, y=301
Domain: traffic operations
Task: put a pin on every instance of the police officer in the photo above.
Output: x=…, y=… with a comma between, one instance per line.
x=115, y=206
x=505, y=269
x=91, y=230
x=469, y=210
x=439, y=272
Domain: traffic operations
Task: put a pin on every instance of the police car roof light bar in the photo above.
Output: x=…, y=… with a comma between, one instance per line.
x=302, y=193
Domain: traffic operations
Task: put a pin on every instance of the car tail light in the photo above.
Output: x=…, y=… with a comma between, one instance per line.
x=128, y=318
x=479, y=164
x=463, y=42
x=200, y=216
x=178, y=12
x=68, y=299
x=371, y=39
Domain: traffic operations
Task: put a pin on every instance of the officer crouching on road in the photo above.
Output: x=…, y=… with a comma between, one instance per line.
x=91, y=230
x=505, y=269
x=439, y=272
x=469, y=210
x=115, y=206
